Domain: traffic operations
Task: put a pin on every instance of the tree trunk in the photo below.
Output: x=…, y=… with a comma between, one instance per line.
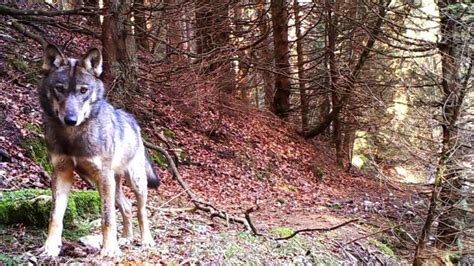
x=281, y=100
x=95, y=19
x=119, y=50
x=265, y=56
x=449, y=180
x=450, y=221
x=141, y=32
x=173, y=31
x=301, y=70
x=348, y=141
x=212, y=37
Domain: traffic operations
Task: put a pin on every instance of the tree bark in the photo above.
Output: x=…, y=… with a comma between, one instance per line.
x=301, y=70
x=265, y=56
x=119, y=50
x=281, y=99
x=447, y=191
x=141, y=32
x=93, y=4
x=173, y=31
x=212, y=39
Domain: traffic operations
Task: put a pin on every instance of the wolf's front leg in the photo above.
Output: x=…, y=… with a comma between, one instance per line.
x=61, y=184
x=110, y=246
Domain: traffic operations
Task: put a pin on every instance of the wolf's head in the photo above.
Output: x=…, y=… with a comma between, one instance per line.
x=71, y=87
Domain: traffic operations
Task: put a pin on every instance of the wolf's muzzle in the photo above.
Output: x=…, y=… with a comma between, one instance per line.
x=70, y=119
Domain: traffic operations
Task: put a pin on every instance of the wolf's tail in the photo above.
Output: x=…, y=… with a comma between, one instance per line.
x=152, y=176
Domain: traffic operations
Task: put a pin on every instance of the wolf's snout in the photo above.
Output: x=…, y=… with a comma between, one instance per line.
x=70, y=119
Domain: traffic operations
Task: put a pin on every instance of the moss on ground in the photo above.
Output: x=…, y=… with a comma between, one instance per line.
x=159, y=159
x=31, y=207
x=37, y=149
x=384, y=248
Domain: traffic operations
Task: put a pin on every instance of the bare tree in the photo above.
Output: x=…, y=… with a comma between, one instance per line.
x=448, y=192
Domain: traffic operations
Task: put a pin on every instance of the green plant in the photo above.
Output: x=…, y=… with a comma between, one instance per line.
x=5, y=260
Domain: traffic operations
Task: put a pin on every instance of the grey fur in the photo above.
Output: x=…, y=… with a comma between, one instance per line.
x=86, y=134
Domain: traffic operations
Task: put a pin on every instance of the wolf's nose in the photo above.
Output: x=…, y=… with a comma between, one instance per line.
x=70, y=120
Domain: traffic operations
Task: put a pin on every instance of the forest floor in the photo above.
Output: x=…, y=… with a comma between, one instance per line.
x=232, y=156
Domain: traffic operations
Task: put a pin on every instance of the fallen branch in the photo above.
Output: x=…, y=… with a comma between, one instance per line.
x=198, y=203
x=174, y=169
x=20, y=28
x=10, y=11
x=249, y=221
x=316, y=229
x=186, y=209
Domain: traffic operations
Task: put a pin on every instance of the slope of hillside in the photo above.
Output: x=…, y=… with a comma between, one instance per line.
x=232, y=156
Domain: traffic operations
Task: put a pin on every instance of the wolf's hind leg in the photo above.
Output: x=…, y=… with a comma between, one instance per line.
x=61, y=186
x=125, y=209
x=138, y=182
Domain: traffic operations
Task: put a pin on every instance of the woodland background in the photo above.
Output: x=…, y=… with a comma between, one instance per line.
x=296, y=104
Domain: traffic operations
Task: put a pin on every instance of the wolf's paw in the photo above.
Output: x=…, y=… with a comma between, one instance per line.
x=148, y=242
x=111, y=252
x=125, y=241
x=50, y=250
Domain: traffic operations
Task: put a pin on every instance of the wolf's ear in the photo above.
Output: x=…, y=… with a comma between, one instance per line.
x=92, y=61
x=53, y=58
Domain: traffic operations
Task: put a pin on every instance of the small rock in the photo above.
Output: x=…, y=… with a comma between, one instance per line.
x=91, y=241
x=96, y=223
x=367, y=205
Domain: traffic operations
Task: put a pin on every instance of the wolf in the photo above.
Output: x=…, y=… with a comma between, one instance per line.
x=87, y=135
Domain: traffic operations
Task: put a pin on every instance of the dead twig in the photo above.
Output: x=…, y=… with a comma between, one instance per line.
x=249, y=221
x=172, y=210
x=317, y=229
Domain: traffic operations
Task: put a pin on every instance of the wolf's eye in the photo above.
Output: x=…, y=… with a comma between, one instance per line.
x=83, y=90
x=59, y=88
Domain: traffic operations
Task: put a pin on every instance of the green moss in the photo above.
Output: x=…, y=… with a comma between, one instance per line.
x=87, y=203
x=23, y=66
x=80, y=229
x=31, y=207
x=282, y=231
x=169, y=133
x=37, y=149
x=18, y=63
x=318, y=171
x=232, y=251
x=383, y=248
x=183, y=156
x=5, y=260
x=159, y=159
x=155, y=157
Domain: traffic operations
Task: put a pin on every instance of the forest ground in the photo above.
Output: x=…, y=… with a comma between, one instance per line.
x=232, y=156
